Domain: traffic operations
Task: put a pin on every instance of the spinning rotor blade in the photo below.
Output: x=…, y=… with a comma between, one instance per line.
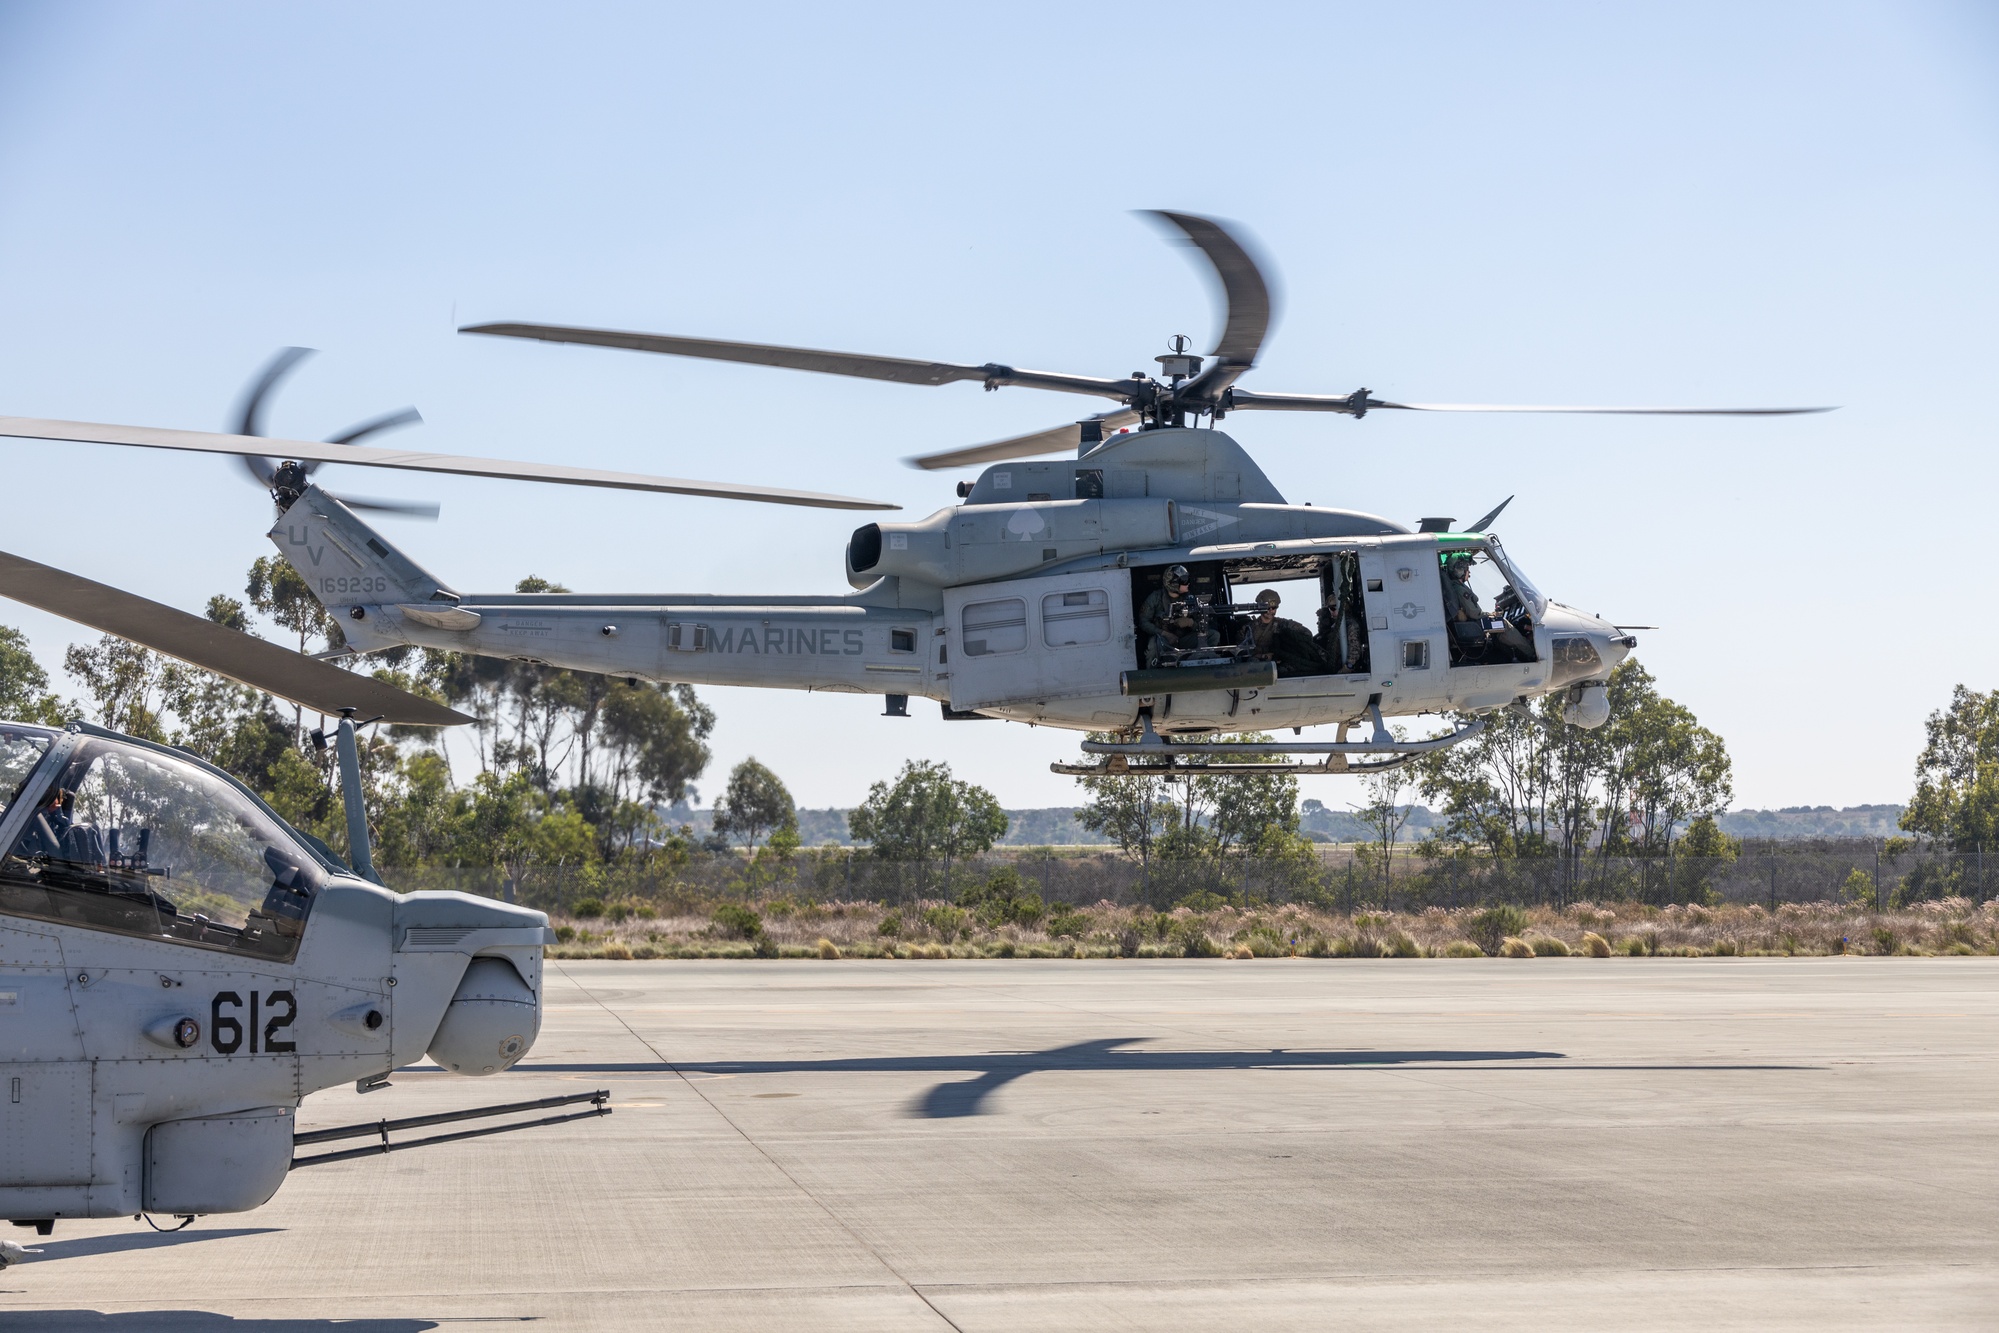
x=199, y=642
x=423, y=509
x=1360, y=403
x=1608, y=411
x=1061, y=439
x=380, y=425
x=895, y=369
x=250, y=407
x=1246, y=303
x=148, y=437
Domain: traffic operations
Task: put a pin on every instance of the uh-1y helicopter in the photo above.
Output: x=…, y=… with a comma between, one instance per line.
x=1041, y=596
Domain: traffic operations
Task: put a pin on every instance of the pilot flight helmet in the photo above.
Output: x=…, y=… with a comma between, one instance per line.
x=1458, y=566
x=1268, y=597
x=1176, y=577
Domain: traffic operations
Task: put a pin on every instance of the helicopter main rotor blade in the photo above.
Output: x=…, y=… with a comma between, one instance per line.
x=1246, y=303
x=894, y=369
x=149, y=437
x=1605, y=411
x=1062, y=439
x=1360, y=403
x=255, y=662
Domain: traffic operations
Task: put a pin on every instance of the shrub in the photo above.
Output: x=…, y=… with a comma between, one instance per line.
x=733, y=920
x=1547, y=947
x=1515, y=947
x=1489, y=929
x=765, y=946
x=1127, y=943
x=1193, y=940
x=1595, y=945
x=1401, y=945
x=615, y=949
x=645, y=912
x=1885, y=940
x=891, y=925
x=827, y=949
x=945, y=920
x=618, y=912
x=1463, y=949
x=1202, y=900
x=1066, y=921
x=1006, y=949
x=588, y=908
x=1005, y=896
x=565, y=934
x=1724, y=949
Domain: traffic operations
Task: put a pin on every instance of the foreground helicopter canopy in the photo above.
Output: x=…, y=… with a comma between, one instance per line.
x=1194, y=387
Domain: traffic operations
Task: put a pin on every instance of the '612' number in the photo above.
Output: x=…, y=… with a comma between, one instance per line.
x=225, y=1029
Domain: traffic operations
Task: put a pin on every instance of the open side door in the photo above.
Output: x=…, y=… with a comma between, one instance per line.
x=1064, y=636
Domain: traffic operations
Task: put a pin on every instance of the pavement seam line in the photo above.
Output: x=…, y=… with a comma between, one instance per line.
x=762, y=1152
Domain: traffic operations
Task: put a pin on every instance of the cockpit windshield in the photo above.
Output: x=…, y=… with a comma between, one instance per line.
x=134, y=841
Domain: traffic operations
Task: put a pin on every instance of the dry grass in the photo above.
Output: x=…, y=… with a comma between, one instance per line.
x=851, y=930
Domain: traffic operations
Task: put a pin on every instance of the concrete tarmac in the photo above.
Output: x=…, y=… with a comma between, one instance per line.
x=1267, y=1144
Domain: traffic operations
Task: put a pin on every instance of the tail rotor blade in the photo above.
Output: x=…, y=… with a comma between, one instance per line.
x=422, y=509
x=380, y=425
x=248, y=418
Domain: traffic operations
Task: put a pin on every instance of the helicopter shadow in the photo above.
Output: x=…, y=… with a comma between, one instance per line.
x=119, y=1242
x=995, y=1070
x=205, y=1321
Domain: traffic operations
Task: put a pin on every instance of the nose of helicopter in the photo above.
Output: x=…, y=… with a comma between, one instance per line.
x=1586, y=646
x=1613, y=643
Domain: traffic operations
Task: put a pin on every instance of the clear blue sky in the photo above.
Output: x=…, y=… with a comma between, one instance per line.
x=1691, y=203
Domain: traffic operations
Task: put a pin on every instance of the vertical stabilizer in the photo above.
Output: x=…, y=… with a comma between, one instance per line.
x=353, y=572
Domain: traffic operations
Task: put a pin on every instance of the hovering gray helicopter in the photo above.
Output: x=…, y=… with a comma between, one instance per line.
x=1098, y=593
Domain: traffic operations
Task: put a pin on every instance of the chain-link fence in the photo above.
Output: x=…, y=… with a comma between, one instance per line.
x=1348, y=878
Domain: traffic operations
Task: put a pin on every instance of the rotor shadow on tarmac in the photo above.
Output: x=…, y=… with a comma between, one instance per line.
x=207, y=1321
x=994, y=1070
x=75, y=1247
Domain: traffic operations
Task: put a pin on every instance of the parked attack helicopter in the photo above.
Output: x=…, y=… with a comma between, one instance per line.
x=179, y=967
x=1098, y=593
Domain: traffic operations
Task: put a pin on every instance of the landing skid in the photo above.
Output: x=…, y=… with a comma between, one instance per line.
x=1152, y=754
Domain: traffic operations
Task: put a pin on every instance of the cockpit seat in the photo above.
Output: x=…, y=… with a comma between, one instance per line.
x=83, y=844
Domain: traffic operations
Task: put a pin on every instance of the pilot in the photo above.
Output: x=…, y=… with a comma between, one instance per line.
x=1285, y=642
x=1164, y=629
x=1463, y=611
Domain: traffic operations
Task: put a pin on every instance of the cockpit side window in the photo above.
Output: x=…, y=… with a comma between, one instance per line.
x=136, y=842
x=21, y=748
